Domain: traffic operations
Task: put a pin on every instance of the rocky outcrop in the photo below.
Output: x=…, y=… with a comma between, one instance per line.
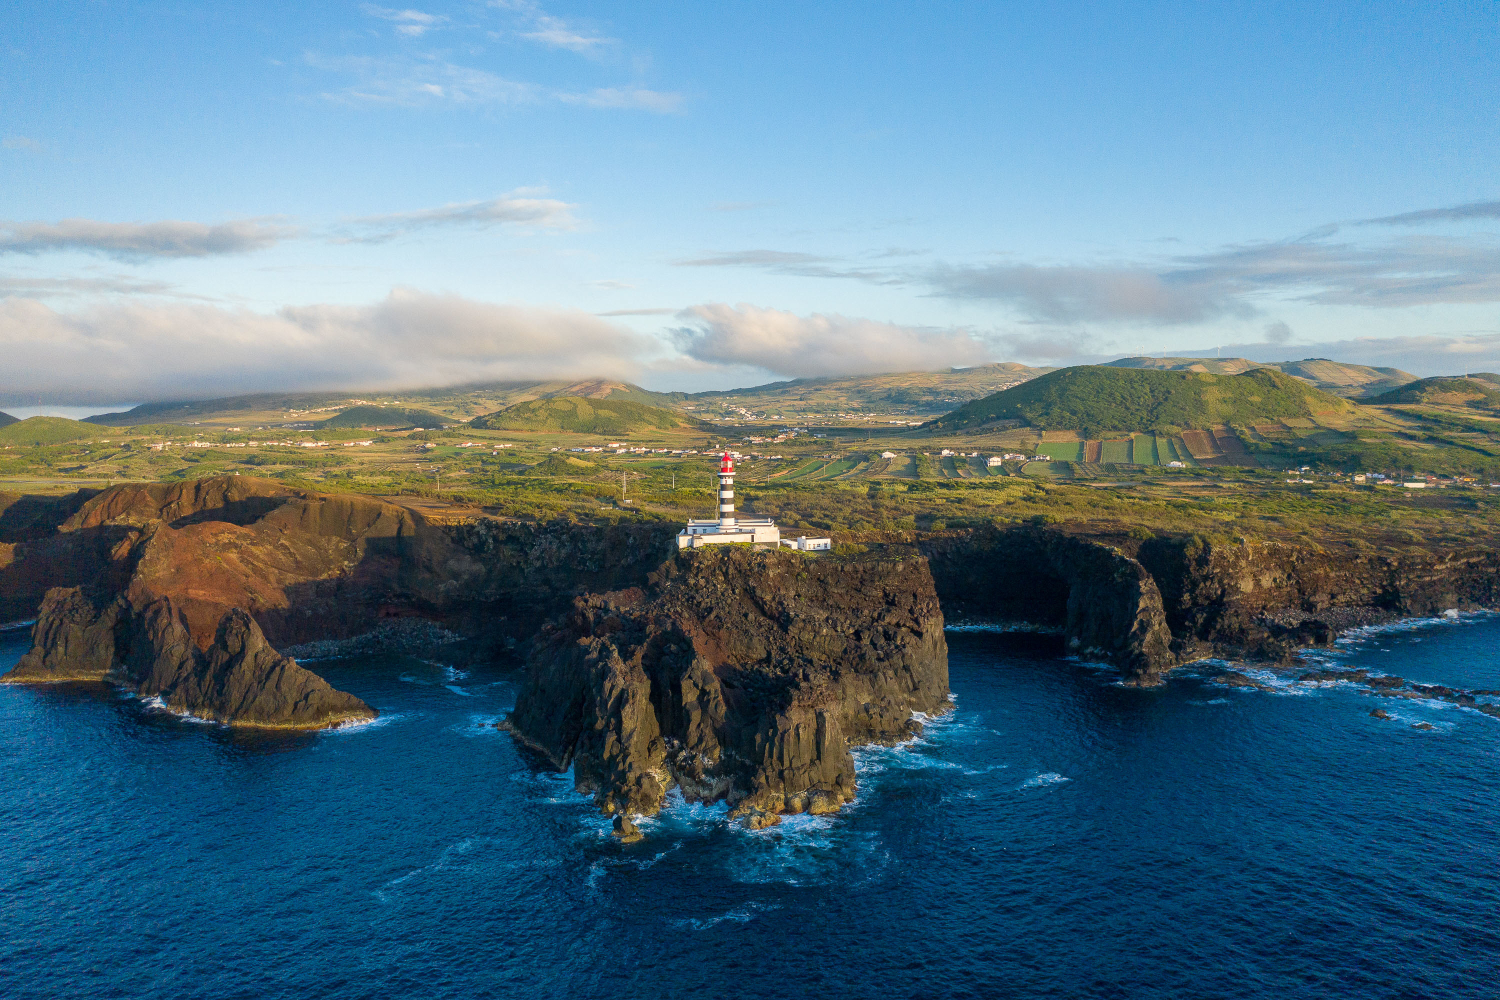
x=1106, y=603
x=743, y=676
x=73, y=640
x=237, y=680
x=1266, y=599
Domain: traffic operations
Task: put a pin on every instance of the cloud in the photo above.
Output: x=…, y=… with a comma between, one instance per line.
x=611, y=284
x=1070, y=294
x=550, y=31
x=1278, y=333
x=141, y=240
x=801, y=265
x=22, y=143
x=820, y=344
x=427, y=81
x=639, y=312
x=136, y=351
x=1455, y=213
x=67, y=287
x=519, y=208
x=412, y=23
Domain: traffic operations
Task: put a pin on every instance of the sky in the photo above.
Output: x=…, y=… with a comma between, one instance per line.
x=205, y=198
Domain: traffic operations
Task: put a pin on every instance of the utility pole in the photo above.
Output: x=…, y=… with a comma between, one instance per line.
x=622, y=486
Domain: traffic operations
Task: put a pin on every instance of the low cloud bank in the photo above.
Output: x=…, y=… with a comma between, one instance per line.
x=821, y=344
x=147, y=351
x=135, y=241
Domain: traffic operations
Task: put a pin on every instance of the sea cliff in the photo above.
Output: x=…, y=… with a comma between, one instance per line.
x=743, y=676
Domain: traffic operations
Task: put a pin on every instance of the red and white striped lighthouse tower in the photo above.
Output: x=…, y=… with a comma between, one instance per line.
x=726, y=492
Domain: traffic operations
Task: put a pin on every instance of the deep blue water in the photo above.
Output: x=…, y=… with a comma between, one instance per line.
x=1056, y=835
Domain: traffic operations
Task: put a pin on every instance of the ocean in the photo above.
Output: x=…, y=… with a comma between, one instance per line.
x=1056, y=834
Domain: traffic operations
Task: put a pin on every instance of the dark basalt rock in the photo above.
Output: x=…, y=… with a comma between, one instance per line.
x=73, y=639
x=739, y=676
x=238, y=680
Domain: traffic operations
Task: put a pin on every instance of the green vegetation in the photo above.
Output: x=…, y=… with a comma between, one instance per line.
x=1453, y=391
x=579, y=415
x=1095, y=400
x=45, y=430
x=1330, y=376
x=387, y=417
x=6, y=420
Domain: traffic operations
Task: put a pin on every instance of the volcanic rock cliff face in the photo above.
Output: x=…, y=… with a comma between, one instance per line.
x=737, y=675
x=1264, y=599
x=164, y=567
x=1107, y=604
x=1146, y=606
x=238, y=680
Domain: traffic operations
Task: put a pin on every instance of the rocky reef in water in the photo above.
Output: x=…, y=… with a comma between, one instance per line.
x=743, y=676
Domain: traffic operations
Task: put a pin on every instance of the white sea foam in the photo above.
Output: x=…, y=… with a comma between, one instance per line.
x=455, y=674
x=1043, y=780
x=459, y=691
x=741, y=915
x=1003, y=626
x=362, y=725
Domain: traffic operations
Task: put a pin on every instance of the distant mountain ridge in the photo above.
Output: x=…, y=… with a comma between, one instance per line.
x=916, y=393
x=1100, y=399
x=1470, y=390
x=464, y=400
x=579, y=414
x=6, y=420
x=1350, y=381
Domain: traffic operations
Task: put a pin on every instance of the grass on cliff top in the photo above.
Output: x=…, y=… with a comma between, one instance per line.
x=1096, y=399
x=1443, y=390
x=35, y=431
x=580, y=415
x=394, y=417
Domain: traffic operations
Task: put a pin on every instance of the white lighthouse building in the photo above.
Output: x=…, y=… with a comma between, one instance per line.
x=727, y=529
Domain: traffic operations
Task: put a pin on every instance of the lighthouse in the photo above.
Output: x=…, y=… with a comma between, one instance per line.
x=727, y=529
x=726, y=491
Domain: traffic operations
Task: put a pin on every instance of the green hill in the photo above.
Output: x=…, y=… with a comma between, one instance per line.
x=1454, y=391
x=584, y=416
x=1095, y=399
x=390, y=417
x=897, y=393
x=6, y=420
x=46, y=430
x=1330, y=376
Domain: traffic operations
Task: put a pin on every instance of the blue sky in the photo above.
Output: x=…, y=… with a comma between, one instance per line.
x=197, y=198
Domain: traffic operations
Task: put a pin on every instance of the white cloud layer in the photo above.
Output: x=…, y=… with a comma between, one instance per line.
x=133, y=241
x=412, y=23
x=516, y=208
x=821, y=344
x=133, y=350
x=429, y=81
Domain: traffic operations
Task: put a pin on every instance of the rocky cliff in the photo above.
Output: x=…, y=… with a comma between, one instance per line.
x=1148, y=605
x=737, y=675
x=238, y=679
x=289, y=566
x=1104, y=600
